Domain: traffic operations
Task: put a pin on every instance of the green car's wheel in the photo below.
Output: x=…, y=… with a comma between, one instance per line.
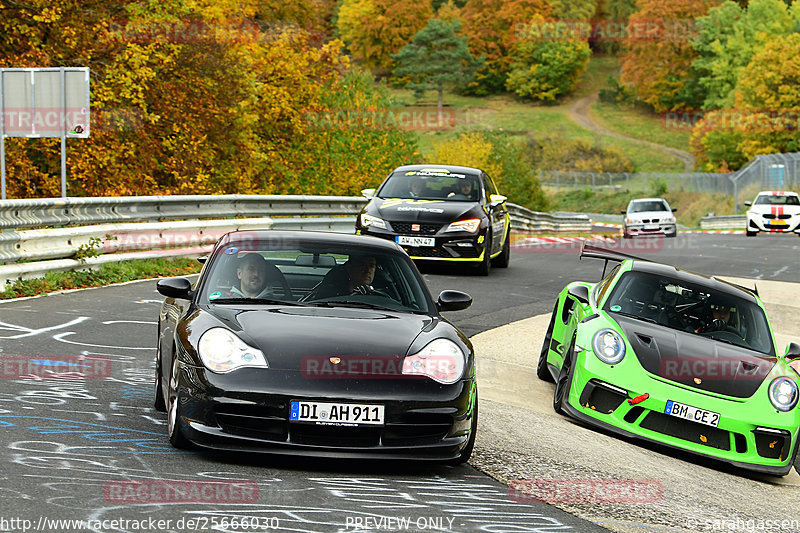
x=542, y=372
x=564, y=379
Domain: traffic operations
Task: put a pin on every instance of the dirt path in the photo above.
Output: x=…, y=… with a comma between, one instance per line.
x=578, y=111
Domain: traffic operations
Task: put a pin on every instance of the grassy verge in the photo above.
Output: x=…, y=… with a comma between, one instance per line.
x=105, y=275
x=639, y=123
x=691, y=206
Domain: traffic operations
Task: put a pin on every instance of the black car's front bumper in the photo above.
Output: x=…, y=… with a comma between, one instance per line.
x=248, y=410
x=453, y=246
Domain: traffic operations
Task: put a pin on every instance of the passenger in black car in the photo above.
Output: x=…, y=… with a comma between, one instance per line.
x=355, y=276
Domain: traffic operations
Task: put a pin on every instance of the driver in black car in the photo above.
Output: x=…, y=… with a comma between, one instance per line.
x=355, y=276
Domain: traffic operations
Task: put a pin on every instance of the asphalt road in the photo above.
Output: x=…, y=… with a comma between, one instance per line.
x=94, y=449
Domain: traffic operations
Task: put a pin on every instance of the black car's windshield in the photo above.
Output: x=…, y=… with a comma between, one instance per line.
x=292, y=273
x=777, y=199
x=428, y=185
x=691, y=308
x=647, y=205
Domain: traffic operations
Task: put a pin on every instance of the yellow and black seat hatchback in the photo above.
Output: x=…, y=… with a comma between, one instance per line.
x=441, y=213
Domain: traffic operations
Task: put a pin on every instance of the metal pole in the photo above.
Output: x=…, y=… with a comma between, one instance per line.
x=63, y=75
x=2, y=141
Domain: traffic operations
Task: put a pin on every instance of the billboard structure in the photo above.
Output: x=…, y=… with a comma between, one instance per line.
x=43, y=102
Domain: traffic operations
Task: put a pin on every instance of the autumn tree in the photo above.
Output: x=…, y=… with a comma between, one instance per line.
x=376, y=29
x=435, y=59
x=545, y=66
x=491, y=27
x=764, y=120
x=659, y=56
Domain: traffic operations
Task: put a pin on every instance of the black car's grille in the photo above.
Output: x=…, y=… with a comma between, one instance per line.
x=423, y=251
x=261, y=422
x=424, y=229
x=686, y=430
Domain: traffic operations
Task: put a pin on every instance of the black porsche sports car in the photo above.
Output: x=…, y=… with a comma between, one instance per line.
x=441, y=213
x=318, y=344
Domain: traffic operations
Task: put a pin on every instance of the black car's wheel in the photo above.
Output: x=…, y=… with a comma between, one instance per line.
x=564, y=379
x=542, y=371
x=176, y=437
x=485, y=266
x=502, y=260
x=159, y=404
x=466, y=453
x=158, y=393
x=751, y=233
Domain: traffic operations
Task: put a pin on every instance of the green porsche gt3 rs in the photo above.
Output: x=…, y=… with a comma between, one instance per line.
x=682, y=359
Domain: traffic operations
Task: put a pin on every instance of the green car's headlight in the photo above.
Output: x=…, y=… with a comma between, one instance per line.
x=608, y=346
x=783, y=393
x=222, y=351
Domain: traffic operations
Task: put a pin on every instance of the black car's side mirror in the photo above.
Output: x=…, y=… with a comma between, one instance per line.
x=453, y=301
x=792, y=351
x=580, y=293
x=175, y=288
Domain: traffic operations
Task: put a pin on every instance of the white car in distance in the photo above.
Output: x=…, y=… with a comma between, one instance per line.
x=774, y=211
x=649, y=216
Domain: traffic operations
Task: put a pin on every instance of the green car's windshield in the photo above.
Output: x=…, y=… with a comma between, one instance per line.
x=318, y=274
x=691, y=308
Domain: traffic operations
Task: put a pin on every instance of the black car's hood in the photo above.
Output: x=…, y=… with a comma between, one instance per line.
x=288, y=335
x=427, y=211
x=687, y=358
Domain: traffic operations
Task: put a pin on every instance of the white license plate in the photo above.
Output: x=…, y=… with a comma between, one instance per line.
x=415, y=241
x=651, y=226
x=336, y=414
x=687, y=412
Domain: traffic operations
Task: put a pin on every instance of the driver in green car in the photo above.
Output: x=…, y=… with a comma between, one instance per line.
x=720, y=319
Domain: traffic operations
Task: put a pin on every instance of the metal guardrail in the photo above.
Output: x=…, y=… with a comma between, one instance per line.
x=724, y=222
x=127, y=228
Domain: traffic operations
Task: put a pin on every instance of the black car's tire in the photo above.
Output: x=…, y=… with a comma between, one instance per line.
x=751, y=233
x=485, y=266
x=176, y=437
x=542, y=372
x=158, y=403
x=466, y=453
x=564, y=379
x=502, y=260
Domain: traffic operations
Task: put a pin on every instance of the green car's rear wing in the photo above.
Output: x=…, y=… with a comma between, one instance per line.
x=598, y=252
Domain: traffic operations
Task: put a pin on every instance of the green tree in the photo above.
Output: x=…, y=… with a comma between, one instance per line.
x=728, y=37
x=436, y=58
x=543, y=67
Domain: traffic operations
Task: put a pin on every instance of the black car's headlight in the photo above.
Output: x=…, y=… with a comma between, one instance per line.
x=609, y=346
x=470, y=225
x=441, y=360
x=222, y=351
x=783, y=393
x=371, y=220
